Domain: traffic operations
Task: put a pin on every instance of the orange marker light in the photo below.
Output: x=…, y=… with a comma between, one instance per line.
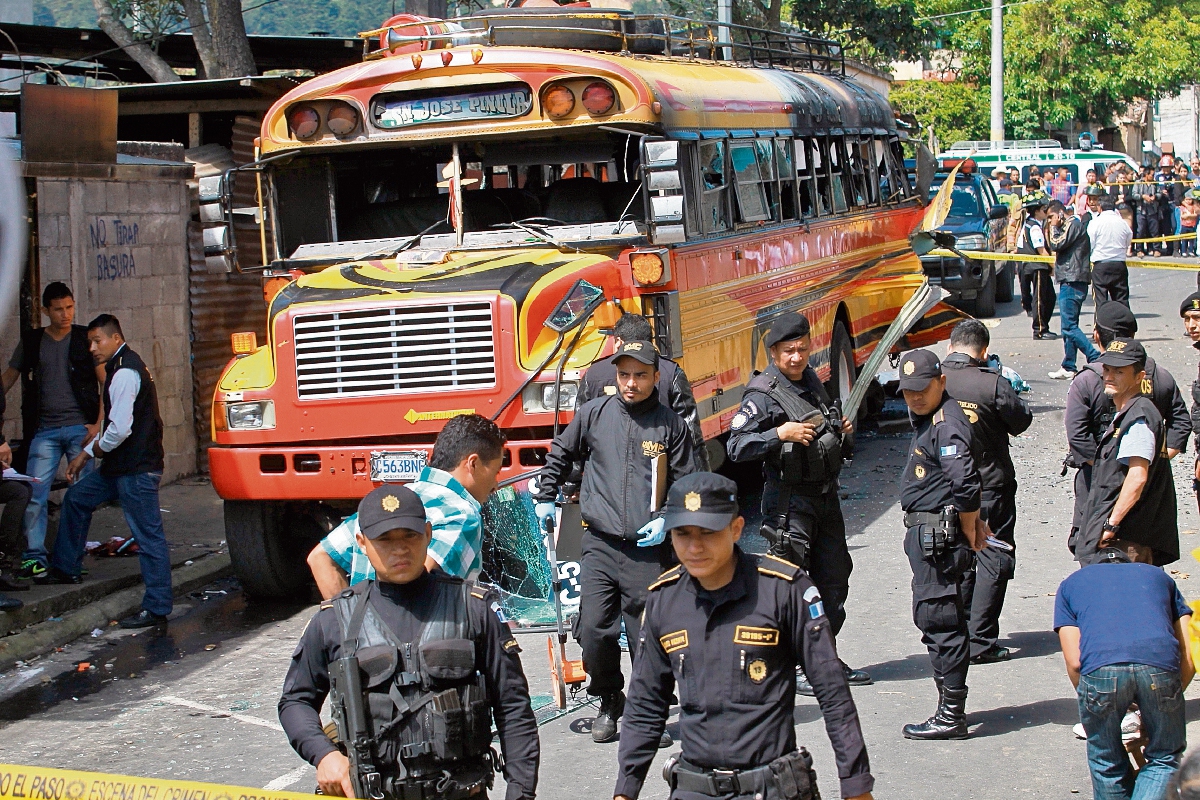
x=342, y=120
x=599, y=98
x=476, y=54
x=447, y=57
x=243, y=343
x=558, y=101
x=416, y=59
x=304, y=122
x=648, y=268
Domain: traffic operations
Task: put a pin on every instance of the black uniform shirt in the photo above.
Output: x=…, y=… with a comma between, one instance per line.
x=496, y=656
x=732, y=655
x=941, y=464
x=1089, y=410
x=752, y=432
x=995, y=412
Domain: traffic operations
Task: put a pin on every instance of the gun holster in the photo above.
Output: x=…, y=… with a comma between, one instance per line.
x=937, y=532
x=786, y=544
x=793, y=776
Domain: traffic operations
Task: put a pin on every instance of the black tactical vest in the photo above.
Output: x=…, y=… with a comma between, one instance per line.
x=1156, y=390
x=815, y=464
x=142, y=450
x=974, y=388
x=428, y=706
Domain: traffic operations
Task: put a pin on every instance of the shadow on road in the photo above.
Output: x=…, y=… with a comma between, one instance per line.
x=1009, y=719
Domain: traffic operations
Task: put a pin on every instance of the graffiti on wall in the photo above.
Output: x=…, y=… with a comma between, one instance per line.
x=113, y=240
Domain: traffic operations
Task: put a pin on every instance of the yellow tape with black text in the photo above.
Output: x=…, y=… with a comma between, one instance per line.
x=42, y=783
x=983, y=255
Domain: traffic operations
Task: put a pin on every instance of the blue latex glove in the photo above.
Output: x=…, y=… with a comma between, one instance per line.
x=653, y=533
x=544, y=511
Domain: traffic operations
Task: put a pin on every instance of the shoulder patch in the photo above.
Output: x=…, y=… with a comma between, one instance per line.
x=668, y=577
x=778, y=568
x=511, y=646
x=477, y=592
x=739, y=421
x=326, y=604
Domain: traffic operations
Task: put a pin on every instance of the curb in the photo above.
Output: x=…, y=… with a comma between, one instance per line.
x=45, y=636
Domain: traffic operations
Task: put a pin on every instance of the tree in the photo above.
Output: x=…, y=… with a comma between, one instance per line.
x=956, y=111
x=220, y=36
x=135, y=26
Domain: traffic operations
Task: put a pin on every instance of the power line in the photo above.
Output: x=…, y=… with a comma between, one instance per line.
x=977, y=10
x=148, y=41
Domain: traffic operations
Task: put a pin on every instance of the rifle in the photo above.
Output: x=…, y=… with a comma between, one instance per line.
x=350, y=716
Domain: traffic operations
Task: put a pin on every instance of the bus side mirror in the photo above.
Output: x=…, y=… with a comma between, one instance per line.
x=662, y=187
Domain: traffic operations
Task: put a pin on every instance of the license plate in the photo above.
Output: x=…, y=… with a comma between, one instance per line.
x=397, y=467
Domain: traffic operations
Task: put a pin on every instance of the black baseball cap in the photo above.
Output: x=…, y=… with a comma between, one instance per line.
x=1124, y=352
x=390, y=507
x=917, y=369
x=703, y=499
x=641, y=351
x=1190, y=303
x=788, y=327
x=1116, y=317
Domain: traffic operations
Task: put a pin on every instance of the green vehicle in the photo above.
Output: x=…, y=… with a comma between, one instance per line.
x=1045, y=154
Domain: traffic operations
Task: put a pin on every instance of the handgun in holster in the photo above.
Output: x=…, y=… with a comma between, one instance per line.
x=938, y=538
x=350, y=716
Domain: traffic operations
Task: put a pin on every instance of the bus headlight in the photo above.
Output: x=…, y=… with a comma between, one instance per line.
x=259, y=415
x=539, y=397
x=972, y=241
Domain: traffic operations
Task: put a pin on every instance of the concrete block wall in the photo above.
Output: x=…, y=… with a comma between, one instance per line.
x=120, y=242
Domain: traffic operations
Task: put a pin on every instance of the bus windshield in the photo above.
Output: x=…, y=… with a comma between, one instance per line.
x=583, y=188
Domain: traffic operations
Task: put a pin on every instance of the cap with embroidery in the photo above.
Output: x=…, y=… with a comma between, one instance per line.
x=1124, y=352
x=390, y=507
x=787, y=327
x=1116, y=317
x=1190, y=303
x=917, y=369
x=641, y=351
x=703, y=499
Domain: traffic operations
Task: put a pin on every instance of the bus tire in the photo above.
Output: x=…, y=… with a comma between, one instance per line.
x=268, y=562
x=1004, y=283
x=985, y=302
x=842, y=370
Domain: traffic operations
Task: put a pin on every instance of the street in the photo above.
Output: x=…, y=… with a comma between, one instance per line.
x=199, y=702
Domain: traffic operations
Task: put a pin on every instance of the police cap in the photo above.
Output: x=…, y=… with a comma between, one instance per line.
x=390, y=507
x=1124, y=352
x=1116, y=317
x=640, y=351
x=703, y=499
x=1190, y=303
x=788, y=327
x=917, y=369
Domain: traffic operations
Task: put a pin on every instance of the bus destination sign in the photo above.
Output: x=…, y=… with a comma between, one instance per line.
x=509, y=101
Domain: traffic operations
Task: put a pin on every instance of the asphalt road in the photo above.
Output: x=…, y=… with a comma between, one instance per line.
x=200, y=702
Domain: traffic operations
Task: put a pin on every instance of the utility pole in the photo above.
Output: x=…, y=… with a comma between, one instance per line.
x=725, y=18
x=997, y=133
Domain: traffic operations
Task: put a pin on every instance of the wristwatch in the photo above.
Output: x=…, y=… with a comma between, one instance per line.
x=1108, y=527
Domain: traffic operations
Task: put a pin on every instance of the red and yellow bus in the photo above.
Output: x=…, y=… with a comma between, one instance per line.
x=430, y=210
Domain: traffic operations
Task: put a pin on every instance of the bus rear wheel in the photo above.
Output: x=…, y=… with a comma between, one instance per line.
x=842, y=372
x=268, y=547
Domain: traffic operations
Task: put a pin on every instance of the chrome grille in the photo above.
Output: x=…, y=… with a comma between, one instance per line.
x=394, y=350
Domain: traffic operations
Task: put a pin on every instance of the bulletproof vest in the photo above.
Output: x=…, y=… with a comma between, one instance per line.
x=428, y=706
x=1154, y=389
x=974, y=389
x=820, y=461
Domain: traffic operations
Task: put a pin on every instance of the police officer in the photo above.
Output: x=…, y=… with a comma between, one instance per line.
x=1189, y=310
x=628, y=443
x=1132, y=496
x=940, y=495
x=432, y=663
x=726, y=629
x=1089, y=409
x=674, y=388
x=1037, y=287
x=788, y=422
x=995, y=412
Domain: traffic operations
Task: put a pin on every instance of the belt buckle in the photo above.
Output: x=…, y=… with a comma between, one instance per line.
x=724, y=781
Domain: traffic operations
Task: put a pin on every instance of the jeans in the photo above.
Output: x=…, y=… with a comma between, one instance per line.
x=48, y=447
x=15, y=496
x=138, y=495
x=1071, y=295
x=1105, y=694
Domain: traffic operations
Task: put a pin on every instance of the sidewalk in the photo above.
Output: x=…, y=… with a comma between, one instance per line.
x=195, y=529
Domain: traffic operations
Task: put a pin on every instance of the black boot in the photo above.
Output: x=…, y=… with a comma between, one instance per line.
x=604, y=726
x=948, y=722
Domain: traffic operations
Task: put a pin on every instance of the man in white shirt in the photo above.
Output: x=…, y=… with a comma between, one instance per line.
x=1111, y=236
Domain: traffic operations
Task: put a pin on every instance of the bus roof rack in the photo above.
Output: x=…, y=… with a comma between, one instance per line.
x=1010, y=144
x=613, y=31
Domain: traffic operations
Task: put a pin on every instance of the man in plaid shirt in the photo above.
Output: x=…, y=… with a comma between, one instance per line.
x=462, y=473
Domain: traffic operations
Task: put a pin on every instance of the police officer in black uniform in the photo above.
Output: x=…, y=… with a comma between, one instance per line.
x=432, y=664
x=995, y=412
x=726, y=629
x=1189, y=311
x=626, y=443
x=940, y=493
x=788, y=422
x=1090, y=410
x=674, y=388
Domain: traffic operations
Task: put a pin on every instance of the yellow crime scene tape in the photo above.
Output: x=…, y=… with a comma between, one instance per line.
x=42, y=783
x=984, y=255
x=1174, y=237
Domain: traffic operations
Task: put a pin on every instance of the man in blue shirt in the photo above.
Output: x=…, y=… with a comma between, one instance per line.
x=1122, y=626
x=463, y=472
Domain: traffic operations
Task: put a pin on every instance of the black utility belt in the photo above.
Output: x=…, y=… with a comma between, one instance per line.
x=715, y=782
x=447, y=786
x=915, y=518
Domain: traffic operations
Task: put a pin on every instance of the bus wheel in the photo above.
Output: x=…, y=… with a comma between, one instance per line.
x=268, y=555
x=842, y=372
x=985, y=302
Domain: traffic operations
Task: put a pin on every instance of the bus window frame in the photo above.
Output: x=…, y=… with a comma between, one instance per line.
x=819, y=152
x=835, y=156
x=748, y=185
x=786, y=179
x=713, y=199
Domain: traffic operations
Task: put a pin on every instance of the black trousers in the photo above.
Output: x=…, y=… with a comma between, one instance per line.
x=1038, y=286
x=15, y=496
x=1110, y=281
x=938, y=609
x=819, y=519
x=614, y=574
x=1083, y=485
x=984, y=587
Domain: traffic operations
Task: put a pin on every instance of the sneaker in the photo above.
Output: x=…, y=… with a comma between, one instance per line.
x=1062, y=374
x=992, y=655
x=1131, y=726
x=604, y=726
x=143, y=619
x=31, y=569
x=55, y=576
x=1079, y=732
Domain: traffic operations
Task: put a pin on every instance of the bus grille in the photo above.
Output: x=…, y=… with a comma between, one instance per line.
x=394, y=350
